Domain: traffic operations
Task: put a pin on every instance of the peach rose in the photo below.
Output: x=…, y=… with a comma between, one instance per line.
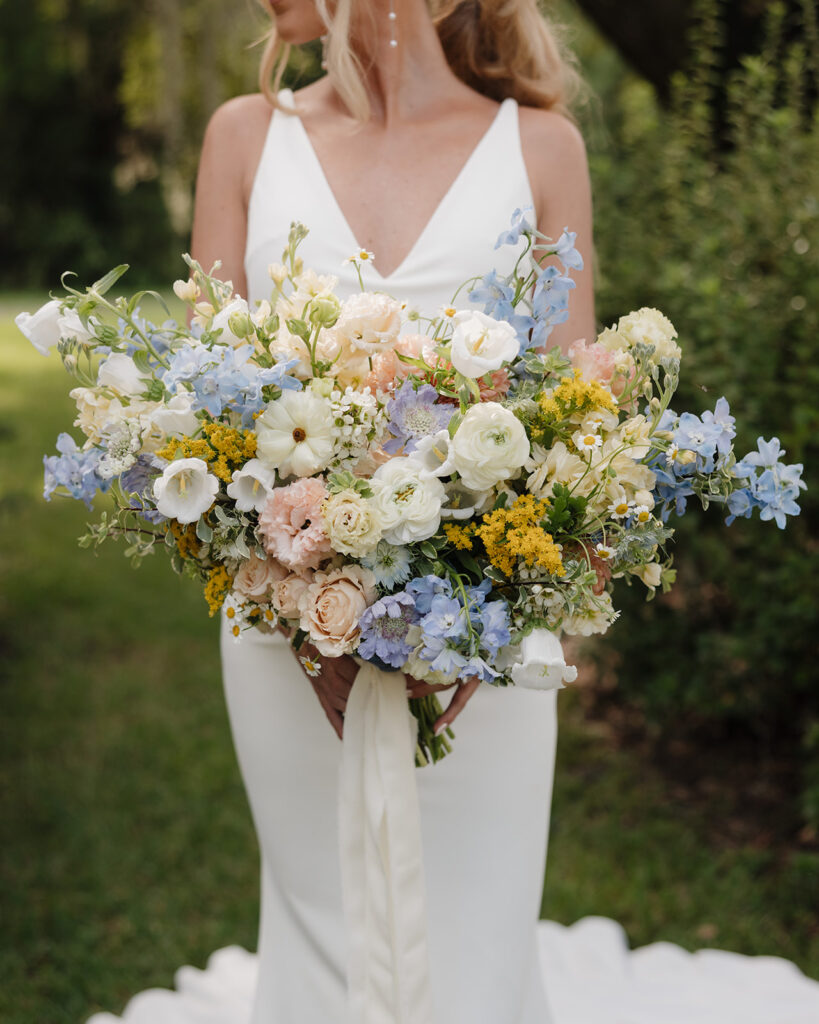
x=288, y=593
x=332, y=605
x=257, y=576
x=594, y=361
x=292, y=526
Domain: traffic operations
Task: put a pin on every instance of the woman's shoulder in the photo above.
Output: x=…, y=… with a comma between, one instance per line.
x=240, y=117
x=235, y=137
x=551, y=137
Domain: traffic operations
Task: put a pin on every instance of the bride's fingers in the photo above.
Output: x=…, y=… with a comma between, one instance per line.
x=417, y=689
x=333, y=716
x=457, y=704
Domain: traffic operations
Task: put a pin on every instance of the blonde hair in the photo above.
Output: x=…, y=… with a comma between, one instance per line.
x=500, y=48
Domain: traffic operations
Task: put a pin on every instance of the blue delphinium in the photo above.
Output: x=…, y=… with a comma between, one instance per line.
x=425, y=588
x=771, y=486
x=384, y=627
x=497, y=296
x=522, y=222
x=566, y=252
x=446, y=620
x=389, y=563
x=73, y=469
x=494, y=626
x=415, y=413
x=222, y=377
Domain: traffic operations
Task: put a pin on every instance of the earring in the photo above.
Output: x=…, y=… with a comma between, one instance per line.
x=393, y=18
x=324, y=40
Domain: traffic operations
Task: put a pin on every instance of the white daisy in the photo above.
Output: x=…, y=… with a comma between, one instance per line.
x=671, y=454
x=586, y=440
x=620, y=509
x=362, y=256
x=312, y=666
x=641, y=513
x=604, y=552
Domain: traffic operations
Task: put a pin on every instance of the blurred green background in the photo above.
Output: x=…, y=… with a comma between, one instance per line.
x=687, y=793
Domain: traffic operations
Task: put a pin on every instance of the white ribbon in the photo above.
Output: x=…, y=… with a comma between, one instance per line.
x=381, y=855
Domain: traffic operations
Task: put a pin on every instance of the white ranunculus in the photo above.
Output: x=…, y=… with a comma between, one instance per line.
x=176, y=417
x=481, y=344
x=43, y=327
x=251, y=485
x=489, y=445
x=221, y=322
x=120, y=373
x=185, y=490
x=538, y=662
x=407, y=500
x=295, y=434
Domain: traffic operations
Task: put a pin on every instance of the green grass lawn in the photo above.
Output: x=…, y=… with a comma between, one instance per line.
x=127, y=846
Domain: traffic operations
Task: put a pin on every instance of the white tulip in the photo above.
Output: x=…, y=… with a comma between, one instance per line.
x=407, y=499
x=120, y=373
x=489, y=445
x=185, y=490
x=295, y=434
x=251, y=485
x=481, y=344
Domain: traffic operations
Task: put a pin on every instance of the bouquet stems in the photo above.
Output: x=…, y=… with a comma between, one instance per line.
x=430, y=747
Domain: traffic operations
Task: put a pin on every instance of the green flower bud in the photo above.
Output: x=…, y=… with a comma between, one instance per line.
x=324, y=311
x=240, y=324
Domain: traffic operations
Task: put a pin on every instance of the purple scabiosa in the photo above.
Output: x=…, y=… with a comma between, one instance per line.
x=415, y=414
x=384, y=627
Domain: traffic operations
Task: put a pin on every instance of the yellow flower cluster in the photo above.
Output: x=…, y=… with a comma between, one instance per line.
x=217, y=588
x=224, y=448
x=574, y=394
x=514, y=533
x=459, y=536
x=185, y=536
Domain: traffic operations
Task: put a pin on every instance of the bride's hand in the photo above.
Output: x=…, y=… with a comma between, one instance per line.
x=332, y=684
x=463, y=691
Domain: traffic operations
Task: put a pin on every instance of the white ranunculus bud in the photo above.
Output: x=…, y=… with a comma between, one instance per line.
x=251, y=485
x=120, y=373
x=481, y=344
x=407, y=500
x=186, y=291
x=489, y=445
x=42, y=328
x=185, y=490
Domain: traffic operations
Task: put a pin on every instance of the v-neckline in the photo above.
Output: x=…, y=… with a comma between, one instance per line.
x=355, y=246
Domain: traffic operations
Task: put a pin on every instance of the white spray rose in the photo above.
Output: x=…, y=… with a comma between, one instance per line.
x=481, y=344
x=185, y=490
x=120, y=373
x=251, y=485
x=351, y=522
x=407, y=500
x=489, y=445
x=295, y=434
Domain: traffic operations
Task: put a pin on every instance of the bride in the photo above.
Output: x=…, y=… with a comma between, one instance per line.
x=432, y=125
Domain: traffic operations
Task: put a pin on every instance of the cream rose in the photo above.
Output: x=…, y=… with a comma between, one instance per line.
x=94, y=411
x=407, y=500
x=369, y=322
x=289, y=592
x=257, y=576
x=489, y=445
x=332, y=605
x=481, y=344
x=351, y=523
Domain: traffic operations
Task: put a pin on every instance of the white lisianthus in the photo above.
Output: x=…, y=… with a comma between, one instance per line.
x=489, y=445
x=352, y=523
x=435, y=452
x=94, y=411
x=45, y=327
x=175, y=417
x=407, y=500
x=645, y=326
x=481, y=344
x=221, y=323
x=538, y=662
x=557, y=465
x=650, y=574
x=251, y=485
x=120, y=373
x=185, y=490
x=295, y=434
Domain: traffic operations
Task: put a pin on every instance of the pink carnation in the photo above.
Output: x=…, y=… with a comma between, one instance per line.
x=292, y=526
x=387, y=368
x=593, y=361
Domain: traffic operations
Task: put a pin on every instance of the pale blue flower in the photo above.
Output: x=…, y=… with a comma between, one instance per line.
x=566, y=252
x=425, y=588
x=446, y=618
x=494, y=626
x=522, y=223
x=389, y=563
x=75, y=470
x=722, y=420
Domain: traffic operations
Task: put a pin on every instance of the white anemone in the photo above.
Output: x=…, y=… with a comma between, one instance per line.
x=295, y=434
x=185, y=490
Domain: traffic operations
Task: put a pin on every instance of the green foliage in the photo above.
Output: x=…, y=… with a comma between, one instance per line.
x=721, y=232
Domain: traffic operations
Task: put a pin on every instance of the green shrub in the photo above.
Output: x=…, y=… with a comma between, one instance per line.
x=720, y=230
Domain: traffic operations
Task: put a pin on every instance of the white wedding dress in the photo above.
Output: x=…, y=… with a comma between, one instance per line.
x=485, y=808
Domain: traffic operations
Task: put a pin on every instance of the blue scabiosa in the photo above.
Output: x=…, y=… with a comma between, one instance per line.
x=384, y=627
x=415, y=414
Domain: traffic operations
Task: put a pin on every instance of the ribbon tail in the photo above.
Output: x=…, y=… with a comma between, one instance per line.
x=381, y=855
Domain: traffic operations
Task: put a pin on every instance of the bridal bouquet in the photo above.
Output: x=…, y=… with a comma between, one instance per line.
x=438, y=495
